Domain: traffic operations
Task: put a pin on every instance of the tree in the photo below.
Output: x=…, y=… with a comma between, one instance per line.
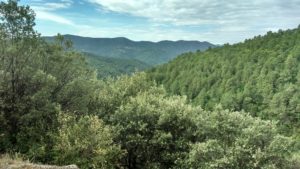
x=250, y=76
x=17, y=40
x=17, y=21
x=35, y=79
x=235, y=140
x=154, y=131
x=85, y=141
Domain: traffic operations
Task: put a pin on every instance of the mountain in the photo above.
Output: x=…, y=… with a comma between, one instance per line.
x=114, y=66
x=150, y=53
x=260, y=75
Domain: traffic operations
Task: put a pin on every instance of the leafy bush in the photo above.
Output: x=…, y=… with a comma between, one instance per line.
x=85, y=141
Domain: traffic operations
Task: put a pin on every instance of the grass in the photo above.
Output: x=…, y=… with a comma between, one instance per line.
x=16, y=162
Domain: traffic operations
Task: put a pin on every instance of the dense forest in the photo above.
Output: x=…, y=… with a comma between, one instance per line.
x=54, y=109
x=260, y=76
x=113, y=67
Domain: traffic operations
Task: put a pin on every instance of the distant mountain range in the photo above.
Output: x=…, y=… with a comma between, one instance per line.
x=134, y=54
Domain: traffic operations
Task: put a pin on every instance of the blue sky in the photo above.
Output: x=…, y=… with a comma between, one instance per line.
x=216, y=21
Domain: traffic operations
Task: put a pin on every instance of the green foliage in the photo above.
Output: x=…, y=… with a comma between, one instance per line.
x=235, y=140
x=53, y=109
x=16, y=35
x=113, y=67
x=17, y=21
x=35, y=79
x=154, y=130
x=151, y=122
x=260, y=76
x=116, y=92
x=85, y=141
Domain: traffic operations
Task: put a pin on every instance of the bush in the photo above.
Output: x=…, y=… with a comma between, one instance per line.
x=85, y=141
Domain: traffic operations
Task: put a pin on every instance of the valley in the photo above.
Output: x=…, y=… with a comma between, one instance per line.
x=69, y=101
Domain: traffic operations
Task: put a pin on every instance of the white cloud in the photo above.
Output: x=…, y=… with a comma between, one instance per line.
x=55, y=6
x=228, y=20
x=46, y=11
x=51, y=6
x=44, y=15
x=194, y=12
x=216, y=21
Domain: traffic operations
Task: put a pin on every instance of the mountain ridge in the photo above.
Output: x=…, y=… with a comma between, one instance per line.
x=123, y=37
x=151, y=53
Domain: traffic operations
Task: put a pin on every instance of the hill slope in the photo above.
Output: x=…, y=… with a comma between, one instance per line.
x=114, y=66
x=261, y=76
x=150, y=53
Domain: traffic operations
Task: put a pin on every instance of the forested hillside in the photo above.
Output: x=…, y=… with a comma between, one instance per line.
x=112, y=67
x=54, y=110
x=150, y=53
x=260, y=76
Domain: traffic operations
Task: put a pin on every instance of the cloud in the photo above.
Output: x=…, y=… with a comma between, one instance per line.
x=230, y=20
x=194, y=12
x=217, y=21
x=51, y=6
x=44, y=15
x=46, y=11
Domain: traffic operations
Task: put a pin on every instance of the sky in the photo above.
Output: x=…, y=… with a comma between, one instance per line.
x=215, y=21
